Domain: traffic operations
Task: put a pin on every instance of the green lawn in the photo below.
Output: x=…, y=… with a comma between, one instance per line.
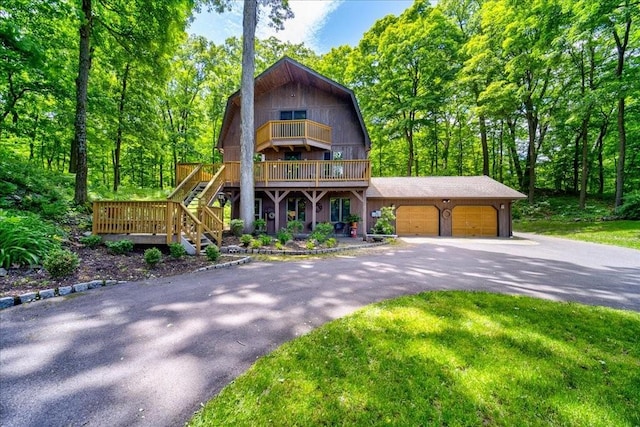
x=618, y=233
x=447, y=358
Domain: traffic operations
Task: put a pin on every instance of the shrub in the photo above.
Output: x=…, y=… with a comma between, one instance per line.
x=284, y=236
x=152, y=256
x=322, y=232
x=212, y=252
x=279, y=246
x=255, y=244
x=630, y=209
x=61, y=263
x=245, y=239
x=331, y=242
x=295, y=226
x=237, y=227
x=383, y=225
x=265, y=240
x=259, y=225
x=310, y=244
x=91, y=241
x=120, y=247
x=177, y=251
x=25, y=239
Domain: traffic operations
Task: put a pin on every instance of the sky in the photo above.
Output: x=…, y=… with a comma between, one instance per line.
x=319, y=24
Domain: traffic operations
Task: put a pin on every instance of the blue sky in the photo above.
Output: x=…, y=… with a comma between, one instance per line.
x=320, y=24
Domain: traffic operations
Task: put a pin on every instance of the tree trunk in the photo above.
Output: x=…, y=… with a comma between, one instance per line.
x=621, y=47
x=513, y=153
x=116, y=151
x=585, y=161
x=80, y=125
x=247, y=129
x=485, y=147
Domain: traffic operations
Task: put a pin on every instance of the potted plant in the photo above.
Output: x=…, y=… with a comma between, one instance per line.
x=353, y=219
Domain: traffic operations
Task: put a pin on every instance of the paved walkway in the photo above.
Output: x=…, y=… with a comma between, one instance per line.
x=148, y=353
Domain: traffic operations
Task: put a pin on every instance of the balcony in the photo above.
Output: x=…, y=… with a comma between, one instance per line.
x=278, y=134
x=304, y=174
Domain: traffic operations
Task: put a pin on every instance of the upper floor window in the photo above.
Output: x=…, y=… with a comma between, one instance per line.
x=293, y=115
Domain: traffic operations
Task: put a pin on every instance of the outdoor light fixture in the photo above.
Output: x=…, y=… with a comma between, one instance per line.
x=446, y=200
x=501, y=205
x=222, y=198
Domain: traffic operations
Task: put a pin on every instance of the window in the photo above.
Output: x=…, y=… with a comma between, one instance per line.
x=257, y=208
x=293, y=115
x=340, y=209
x=296, y=208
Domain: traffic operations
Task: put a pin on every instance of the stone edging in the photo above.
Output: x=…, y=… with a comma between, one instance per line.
x=6, y=302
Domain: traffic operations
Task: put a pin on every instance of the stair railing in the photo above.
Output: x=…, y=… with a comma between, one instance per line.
x=184, y=223
x=180, y=193
x=212, y=222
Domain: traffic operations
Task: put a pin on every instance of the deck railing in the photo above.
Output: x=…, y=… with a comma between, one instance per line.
x=313, y=172
x=115, y=217
x=293, y=129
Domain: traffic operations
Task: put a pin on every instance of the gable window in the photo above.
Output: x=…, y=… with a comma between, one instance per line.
x=340, y=209
x=293, y=115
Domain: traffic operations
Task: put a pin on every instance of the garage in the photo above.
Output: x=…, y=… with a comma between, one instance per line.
x=417, y=221
x=481, y=221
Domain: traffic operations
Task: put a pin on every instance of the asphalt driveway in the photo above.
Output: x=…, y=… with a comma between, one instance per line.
x=148, y=353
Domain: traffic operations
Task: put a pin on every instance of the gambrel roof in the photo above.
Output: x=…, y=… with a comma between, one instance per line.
x=285, y=71
x=440, y=187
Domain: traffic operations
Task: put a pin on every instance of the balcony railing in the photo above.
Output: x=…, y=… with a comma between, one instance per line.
x=288, y=133
x=316, y=173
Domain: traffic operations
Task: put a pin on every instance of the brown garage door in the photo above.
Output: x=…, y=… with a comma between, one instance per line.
x=475, y=221
x=417, y=221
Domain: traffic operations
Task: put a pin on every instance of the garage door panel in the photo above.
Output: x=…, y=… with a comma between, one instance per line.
x=481, y=221
x=418, y=221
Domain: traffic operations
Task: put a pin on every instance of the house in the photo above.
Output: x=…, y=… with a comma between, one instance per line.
x=313, y=150
x=311, y=165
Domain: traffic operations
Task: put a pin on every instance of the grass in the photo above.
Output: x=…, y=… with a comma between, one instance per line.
x=447, y=358
x=623, y=233
x=560, y=216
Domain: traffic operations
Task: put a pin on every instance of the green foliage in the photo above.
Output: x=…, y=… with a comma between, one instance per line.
x=279, y=246
x=177, y=251
x=311, y=244
x=260, y=225
x=295, y=226
x=245, y=239
x=353, y=218
x=322, y=232
x=25, y=239
x=120, y=247
x=61, y=263
x=542, y=363
x=25, y=186
x=212, y=252
x=152, y=256
x=265, y=240
x=384, y=224
x=331, y=242
x=255, y=244
x=91, y=241
x=630, y=209
x=236, y=226
x=283, y=236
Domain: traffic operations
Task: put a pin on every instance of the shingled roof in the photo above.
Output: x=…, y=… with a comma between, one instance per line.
x=436, y=187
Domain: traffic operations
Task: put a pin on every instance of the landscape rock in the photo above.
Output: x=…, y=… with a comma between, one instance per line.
x=6, y=302
x=3, y=272
x=64, y=290
x=80, y=287
x=28, y=297
x=95, y=284
x=47, y=293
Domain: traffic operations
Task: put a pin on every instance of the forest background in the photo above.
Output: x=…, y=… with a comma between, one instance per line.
x=539, y=95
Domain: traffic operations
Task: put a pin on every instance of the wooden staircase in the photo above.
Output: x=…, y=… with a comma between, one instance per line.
x=187, y=215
